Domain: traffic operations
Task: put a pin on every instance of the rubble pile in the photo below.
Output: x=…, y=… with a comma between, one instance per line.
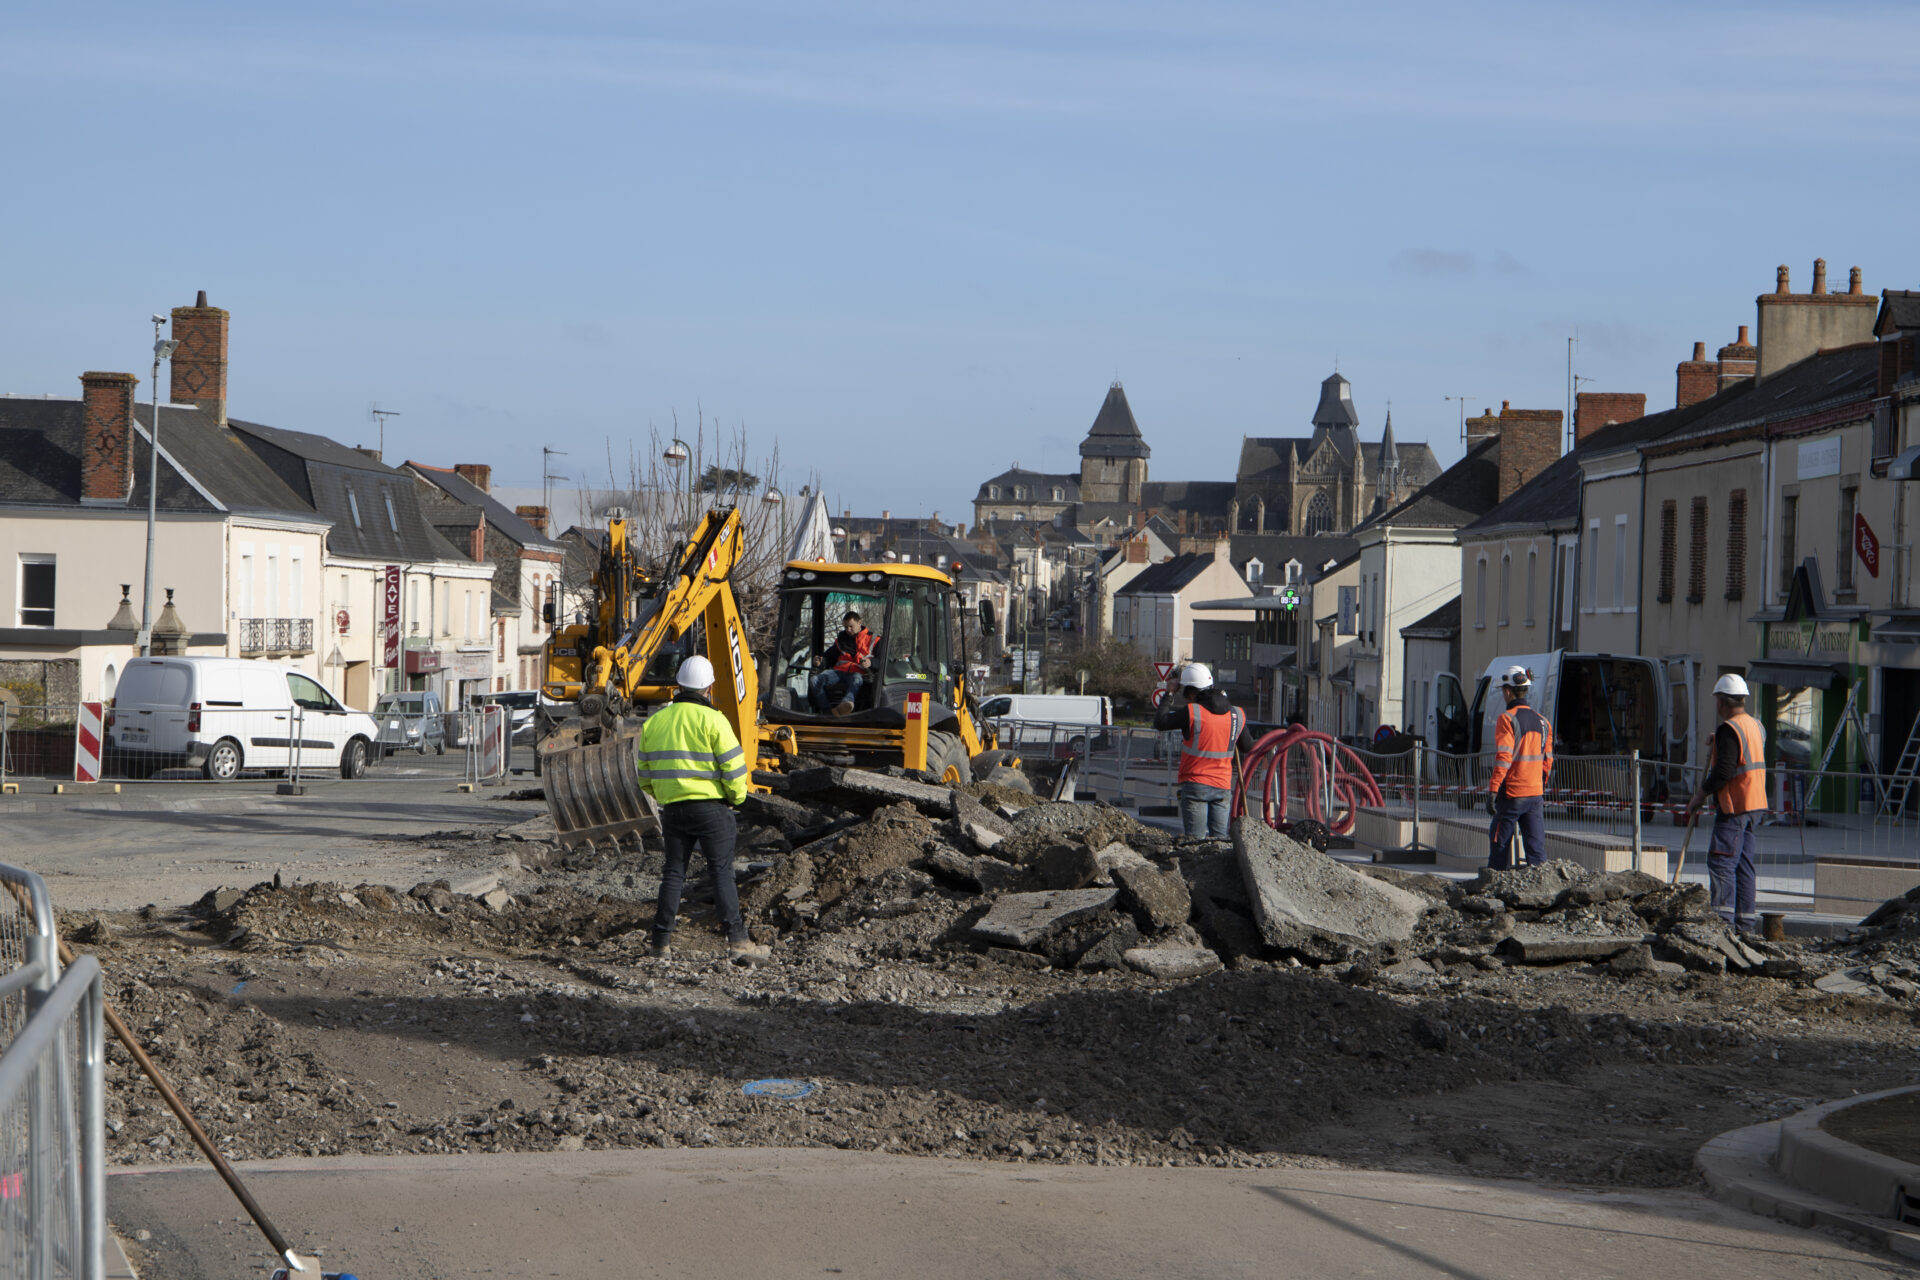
x=1881, y=957
x=969, y=971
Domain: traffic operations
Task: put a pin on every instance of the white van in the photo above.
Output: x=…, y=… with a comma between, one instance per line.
x=1030, y=719
x=1598, y=704
x=223, y=715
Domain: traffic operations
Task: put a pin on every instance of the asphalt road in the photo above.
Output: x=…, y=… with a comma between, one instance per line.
x=743, y=1212
x=169, y=842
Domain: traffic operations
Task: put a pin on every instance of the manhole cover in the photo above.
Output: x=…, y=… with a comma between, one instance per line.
x=788, y=1089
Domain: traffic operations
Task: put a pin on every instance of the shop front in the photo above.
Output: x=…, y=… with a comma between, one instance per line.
x=1813, y=698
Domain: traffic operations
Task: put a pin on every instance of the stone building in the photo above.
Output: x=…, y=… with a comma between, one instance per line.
x=1328, y=482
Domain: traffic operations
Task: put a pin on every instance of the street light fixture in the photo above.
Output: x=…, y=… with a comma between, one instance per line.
x=163, y=349
x=774, y=498
x=677, y=452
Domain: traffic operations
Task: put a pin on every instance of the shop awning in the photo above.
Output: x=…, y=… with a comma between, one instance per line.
x=1786, y=673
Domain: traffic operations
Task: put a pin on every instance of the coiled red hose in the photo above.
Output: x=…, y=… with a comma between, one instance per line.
x=1264, y=775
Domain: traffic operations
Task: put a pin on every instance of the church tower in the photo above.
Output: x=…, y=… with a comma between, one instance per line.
x=1113, y=457
x=1386, y=490
x=1336, y=419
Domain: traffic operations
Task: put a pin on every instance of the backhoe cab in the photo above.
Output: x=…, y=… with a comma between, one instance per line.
x=919, y=657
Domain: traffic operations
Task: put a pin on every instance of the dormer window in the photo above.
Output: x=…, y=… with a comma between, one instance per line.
x=1256, y=572
x=1019, y=493
x=1294, y=570
x=993, y=491
x=1059, y=494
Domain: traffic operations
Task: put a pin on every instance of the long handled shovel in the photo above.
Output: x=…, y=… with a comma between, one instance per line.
x=1686, y=842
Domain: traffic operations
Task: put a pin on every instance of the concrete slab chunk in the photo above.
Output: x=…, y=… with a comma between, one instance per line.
x=1022, y=919
x=1550, y=946
x=1173, y=963
x=1307, y=903
x=859, y=789
x=1159, y=898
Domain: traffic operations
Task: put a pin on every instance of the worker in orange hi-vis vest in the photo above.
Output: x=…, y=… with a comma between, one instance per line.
x=1736, y=778
x=1523, y=757
x=1211, y=730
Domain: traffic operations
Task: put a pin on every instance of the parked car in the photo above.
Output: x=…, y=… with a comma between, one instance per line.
x=520, y=704
x=411, y=722
x=225, y=715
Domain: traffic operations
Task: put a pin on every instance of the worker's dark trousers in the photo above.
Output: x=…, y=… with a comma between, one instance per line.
x=709, y=824
x=1530, y=815
x=1730, y=866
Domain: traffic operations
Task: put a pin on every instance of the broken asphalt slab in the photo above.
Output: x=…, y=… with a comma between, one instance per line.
x=1023, y=919
x=1307, y=903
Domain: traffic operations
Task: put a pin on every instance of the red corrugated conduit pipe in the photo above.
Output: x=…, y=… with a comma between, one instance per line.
x=1263, y=779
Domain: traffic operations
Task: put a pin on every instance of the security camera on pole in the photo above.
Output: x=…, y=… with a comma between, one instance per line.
x=163, y=349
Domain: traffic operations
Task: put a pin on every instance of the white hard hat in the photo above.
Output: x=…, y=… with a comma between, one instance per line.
x=695, y=673
x=1515, y=678
x=1196, y=675
x=1731, y=686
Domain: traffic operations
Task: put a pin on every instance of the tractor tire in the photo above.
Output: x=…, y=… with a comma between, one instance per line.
x=986, y=762
x=947, y=760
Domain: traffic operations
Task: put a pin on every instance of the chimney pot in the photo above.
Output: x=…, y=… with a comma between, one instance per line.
x=1699, y=351
x=1743, y=337
x=1819, y=275
x=1503, y=407
x=1853, y=281
x=201, y=299
x=1780, y=280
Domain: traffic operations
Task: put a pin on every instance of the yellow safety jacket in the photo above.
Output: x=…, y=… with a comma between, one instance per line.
x=688, y=751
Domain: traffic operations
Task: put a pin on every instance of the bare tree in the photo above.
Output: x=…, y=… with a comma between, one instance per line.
x=666, y=498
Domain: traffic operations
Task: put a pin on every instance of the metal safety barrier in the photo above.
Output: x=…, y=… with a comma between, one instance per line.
x=52, y=1096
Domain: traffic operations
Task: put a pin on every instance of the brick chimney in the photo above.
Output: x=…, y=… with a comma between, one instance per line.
x=1694, y=380
x=1795, y=325
x=200, y=363
x=477, y=541
x=477, y=474
x=1740, y=358
x=106, y=438
x=1593, y=410
x=536, y=516
x=1529, y=442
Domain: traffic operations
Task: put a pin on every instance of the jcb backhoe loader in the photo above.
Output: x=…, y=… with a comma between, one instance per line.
x=914, y=709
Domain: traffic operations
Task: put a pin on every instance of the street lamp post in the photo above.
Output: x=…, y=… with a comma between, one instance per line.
x=774, y=498
x=163, y=349
x=678, y=455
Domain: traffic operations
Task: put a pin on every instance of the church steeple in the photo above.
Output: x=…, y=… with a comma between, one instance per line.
x=1113, y=457
x=1336, y=419
x=1386, y=485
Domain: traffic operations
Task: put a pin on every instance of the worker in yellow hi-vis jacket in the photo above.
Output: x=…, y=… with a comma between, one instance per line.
x=692, y=764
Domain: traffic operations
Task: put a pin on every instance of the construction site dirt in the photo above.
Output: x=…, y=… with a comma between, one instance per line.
x=1546, y=1024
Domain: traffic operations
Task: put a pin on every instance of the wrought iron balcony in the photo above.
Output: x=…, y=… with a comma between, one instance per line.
x=276, y=635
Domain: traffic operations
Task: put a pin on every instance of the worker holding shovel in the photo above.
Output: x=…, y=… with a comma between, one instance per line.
x=1736, y=778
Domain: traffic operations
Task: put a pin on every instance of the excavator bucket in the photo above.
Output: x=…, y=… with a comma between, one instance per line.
x=594, y=794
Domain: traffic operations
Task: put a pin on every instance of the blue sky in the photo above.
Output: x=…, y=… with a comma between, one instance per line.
x=913, y=243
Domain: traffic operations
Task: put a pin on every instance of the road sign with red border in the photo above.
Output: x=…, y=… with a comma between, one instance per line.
x=1163, y=670
x=1159, y=696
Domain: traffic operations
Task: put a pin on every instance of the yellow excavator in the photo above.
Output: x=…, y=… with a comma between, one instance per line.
x=914, y=710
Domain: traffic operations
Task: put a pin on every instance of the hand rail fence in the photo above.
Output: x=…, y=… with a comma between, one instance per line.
x=52, y=1096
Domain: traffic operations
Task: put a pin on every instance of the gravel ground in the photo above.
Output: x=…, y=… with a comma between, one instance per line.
x=319, y=1019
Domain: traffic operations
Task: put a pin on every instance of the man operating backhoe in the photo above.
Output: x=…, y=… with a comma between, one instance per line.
x=847, y=661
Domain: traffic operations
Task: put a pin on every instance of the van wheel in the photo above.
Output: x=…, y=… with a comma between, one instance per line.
x=439, y=748
x=947, y=759
x=353, y=761
x=223, y=762
x=1077, y=744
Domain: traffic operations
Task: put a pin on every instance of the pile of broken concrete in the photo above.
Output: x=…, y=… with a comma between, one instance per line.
x=1075, y=886
x=1882, y=956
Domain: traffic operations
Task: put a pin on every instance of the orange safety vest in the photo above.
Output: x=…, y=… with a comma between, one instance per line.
x=1523, y=752
x=847, y=653
x=1746, y=790
x=1206, y=750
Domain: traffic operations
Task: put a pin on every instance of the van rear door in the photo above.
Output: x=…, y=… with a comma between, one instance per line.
x=150, y=706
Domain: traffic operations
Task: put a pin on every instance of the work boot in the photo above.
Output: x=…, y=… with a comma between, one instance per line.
x=844, y=707
x=747, y=951
x=659, y=950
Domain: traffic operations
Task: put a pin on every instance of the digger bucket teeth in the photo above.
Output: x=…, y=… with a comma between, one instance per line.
x=594, y=794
